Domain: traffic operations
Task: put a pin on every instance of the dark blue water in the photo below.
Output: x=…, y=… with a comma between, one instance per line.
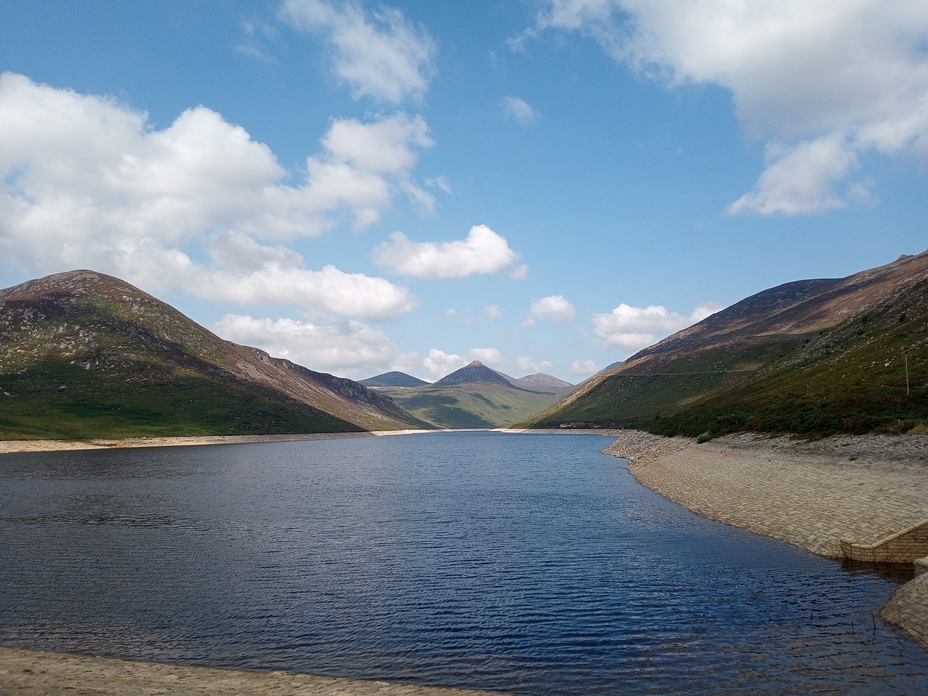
x=529, y=564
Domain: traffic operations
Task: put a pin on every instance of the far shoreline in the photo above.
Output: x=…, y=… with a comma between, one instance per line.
x=15, y=446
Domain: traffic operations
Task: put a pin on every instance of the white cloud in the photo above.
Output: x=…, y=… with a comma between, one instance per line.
x=528, y=364
x=825, y=80
x=799, y=180
x=87, y=182
x=484, y=251
x=343, y=348
x=381, y=55
x=439, y=363
x=331, y=290
x=633, y=328
x=555, y=308
x=583, y=368
x=492, y=312
x=519, y=110
x=489, y=356
x=441, y=183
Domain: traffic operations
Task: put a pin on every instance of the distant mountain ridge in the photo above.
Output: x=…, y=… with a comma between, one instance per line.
x=540, y=380
x=393, y=379
x=474, y=373
x=477, y=396
x=809, y=356
x=83, y=352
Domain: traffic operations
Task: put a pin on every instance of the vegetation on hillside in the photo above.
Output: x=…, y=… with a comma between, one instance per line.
x=60, y=400
x=473, y=405
x=815, y=358
x=85, y=355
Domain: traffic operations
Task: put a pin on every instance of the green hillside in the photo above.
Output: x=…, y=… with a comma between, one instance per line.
x=869, y=373
x=59, y=400
x=814, y=357
x=472, y=405
x=85, y=355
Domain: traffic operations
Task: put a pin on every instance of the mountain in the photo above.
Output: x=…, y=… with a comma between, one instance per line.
x=475, y=396
x=813, y=356
x=393, y=379
x=474, y=373
x=83, y=354
x=540, y=380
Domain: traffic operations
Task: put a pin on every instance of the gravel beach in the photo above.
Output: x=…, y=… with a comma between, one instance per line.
x=35, y=673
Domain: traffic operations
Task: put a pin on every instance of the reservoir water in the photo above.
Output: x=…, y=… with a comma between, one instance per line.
x=529, y=564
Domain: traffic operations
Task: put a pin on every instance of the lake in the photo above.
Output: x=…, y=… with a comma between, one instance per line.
x=523, y=563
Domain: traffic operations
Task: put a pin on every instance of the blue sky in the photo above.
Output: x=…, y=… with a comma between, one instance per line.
x=544, y=185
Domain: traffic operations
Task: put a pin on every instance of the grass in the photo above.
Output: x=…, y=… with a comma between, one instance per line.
x=471, y=405
x=58, y=400
x=847, y=378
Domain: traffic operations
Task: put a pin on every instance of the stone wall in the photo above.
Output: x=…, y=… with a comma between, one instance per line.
x=902, y=547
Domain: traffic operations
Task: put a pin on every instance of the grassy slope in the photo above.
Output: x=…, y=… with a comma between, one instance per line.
x=59, y=400
x=851, y=378
x=84, y=355
x=847, y=378
x=471, y=405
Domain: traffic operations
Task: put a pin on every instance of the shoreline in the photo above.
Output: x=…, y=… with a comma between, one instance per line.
x=809, y=493
x=12, y=446
x=34, y=672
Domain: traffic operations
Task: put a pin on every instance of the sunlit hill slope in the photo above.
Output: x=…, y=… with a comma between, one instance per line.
x=814, y=356
x=83, y=355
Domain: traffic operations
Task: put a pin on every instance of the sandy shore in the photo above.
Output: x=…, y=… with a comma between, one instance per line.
x=7, y=446
x=100, y=443
x=34, y=673
x=808, y=493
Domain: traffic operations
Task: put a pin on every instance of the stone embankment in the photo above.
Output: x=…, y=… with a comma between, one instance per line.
x=35, y=673
x=840, y=497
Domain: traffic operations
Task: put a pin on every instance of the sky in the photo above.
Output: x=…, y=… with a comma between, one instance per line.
x=541, y=185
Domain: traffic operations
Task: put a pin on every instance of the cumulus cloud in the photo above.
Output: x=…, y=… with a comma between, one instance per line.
x=490, y=356
x=343, y=348
x=492, y=312
x=632, y=328
x=439, y=363
x=583, y=368
x=800, y=179
x=381, y=55
x=331, y=290
x=519, y=110
x=823, y=81
x=528, y=364
x=86, y=182
x=483, y=251
x=555, y=308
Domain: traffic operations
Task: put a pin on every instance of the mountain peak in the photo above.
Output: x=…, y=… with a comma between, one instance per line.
x=393, y=379
x=148, y=369
x=473, y=373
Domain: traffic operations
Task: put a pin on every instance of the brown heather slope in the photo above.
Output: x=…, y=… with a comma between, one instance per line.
x=83, y=347
x=715, y=364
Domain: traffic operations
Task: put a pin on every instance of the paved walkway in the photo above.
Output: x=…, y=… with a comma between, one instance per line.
x=810, y=494
x=34, y=673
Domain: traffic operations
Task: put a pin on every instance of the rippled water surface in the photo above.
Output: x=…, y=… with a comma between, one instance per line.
x=529, y=564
